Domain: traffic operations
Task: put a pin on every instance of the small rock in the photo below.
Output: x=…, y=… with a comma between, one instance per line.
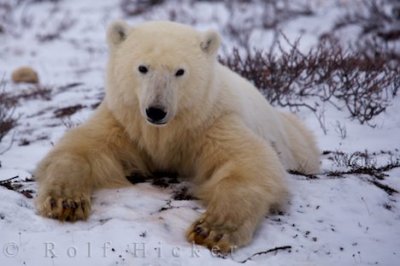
x=25, y=75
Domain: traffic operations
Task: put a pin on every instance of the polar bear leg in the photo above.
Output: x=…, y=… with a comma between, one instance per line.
x=88, y=157
x=241, y=180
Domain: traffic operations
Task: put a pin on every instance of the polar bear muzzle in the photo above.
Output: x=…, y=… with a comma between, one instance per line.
x=157, y=95
x=156, y=115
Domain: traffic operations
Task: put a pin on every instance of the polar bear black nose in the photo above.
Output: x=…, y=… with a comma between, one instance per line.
x=156, y=114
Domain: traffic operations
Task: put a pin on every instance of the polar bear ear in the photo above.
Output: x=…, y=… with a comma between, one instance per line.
x=117, y=32
x=210, y=42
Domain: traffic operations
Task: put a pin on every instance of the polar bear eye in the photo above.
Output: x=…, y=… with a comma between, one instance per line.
x=180, y=72
x=142, y=69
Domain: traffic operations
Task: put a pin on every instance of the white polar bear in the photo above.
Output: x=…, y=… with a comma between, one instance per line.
x=171, y=106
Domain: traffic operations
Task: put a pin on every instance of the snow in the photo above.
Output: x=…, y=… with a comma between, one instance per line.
x=329, y=221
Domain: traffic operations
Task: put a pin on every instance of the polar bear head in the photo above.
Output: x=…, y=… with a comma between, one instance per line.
x=163, y=68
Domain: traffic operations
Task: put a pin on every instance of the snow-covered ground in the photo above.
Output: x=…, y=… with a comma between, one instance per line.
x=331, y=220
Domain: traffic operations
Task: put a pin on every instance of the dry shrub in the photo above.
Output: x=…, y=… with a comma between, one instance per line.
x=58, y=28
x=272, y=14
x=379, y=18
x=35, y=92
x=137, y=7
x=15, y=23
x=363, y=82
x=363, y=165
x=9, y=101
x=364, y=162
x=7, y=119
x=37, y=1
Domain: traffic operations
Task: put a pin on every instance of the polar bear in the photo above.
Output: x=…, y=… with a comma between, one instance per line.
x=171, y=106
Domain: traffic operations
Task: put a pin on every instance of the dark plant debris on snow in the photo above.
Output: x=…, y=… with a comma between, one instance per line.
x=68, y=111
x=17, y=185
x=164, y=180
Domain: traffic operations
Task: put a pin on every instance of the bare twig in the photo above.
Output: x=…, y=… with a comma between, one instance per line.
x=272, y=250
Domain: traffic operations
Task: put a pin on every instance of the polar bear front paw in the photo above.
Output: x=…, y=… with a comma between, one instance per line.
x=64, y=207
x=222, y=238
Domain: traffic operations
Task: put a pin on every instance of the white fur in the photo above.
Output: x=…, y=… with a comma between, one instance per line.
x=219, y=131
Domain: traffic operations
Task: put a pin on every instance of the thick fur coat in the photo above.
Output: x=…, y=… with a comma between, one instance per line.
x=170, y=106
